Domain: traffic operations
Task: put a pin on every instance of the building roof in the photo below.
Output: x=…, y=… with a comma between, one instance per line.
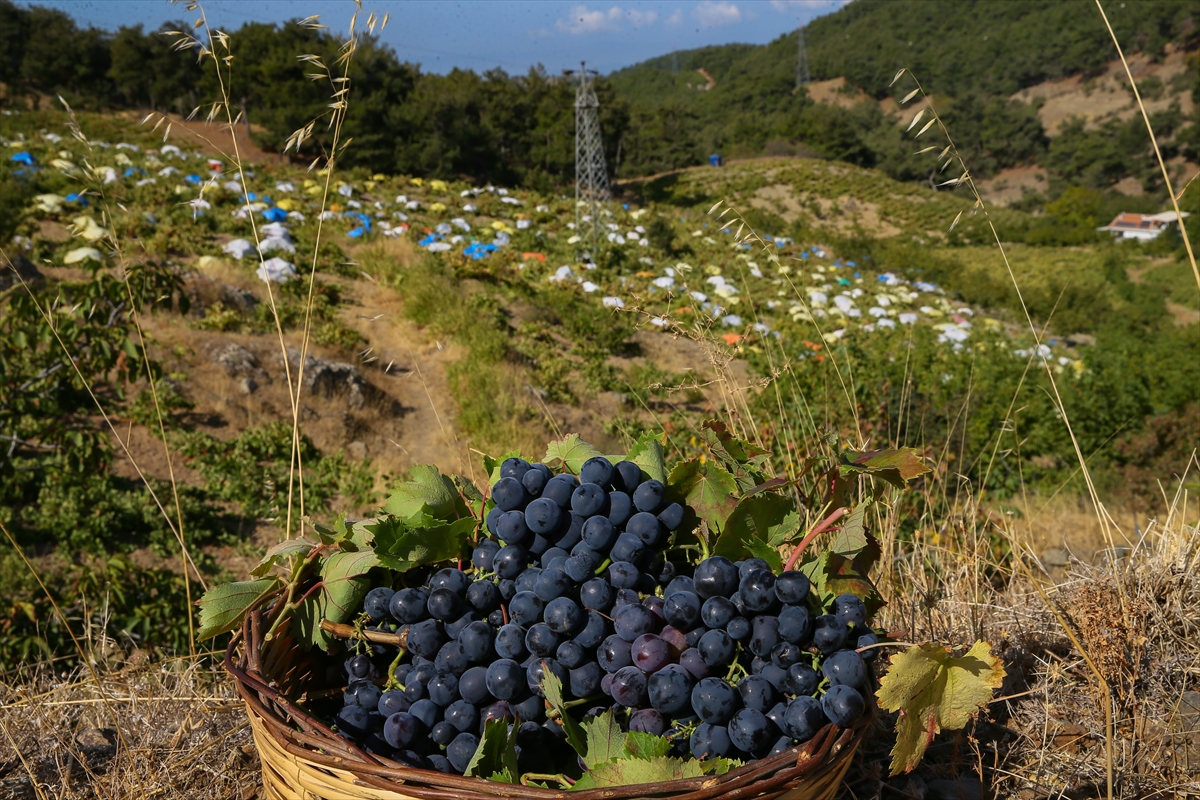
x=1155, y=223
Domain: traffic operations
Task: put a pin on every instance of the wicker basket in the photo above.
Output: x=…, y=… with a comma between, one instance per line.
x=302, y=759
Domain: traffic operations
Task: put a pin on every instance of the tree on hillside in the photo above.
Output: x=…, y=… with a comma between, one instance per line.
x=148, y=72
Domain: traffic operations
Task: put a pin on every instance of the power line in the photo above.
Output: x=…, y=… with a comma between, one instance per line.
x=802, y=76
x=591, y=176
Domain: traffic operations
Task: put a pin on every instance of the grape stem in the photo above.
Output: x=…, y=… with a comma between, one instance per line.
x=392, y=683
x=818, y=529
x=884, y=644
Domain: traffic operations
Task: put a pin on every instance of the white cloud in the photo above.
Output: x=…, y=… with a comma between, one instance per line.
x=792, y=6
x=712, y=14
x=581, y=19
x=675, y=18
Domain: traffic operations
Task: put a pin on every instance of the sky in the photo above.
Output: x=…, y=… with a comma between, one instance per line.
x=482, y=34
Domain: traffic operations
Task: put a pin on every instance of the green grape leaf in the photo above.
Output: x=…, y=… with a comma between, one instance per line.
x=935, y=691
x=725, y=445
x=496, y=755
x=708, y=488
x=552, y=688
x=288, y=548
x=646, y=745
x=404, y=544
x=466, y=488
x=896, y=466
x=648, y=453
x=223, y=607
x=343, y=586
x=632, y=771
x=569, y=453
x=492, y=465
x=753, y=525
x=429, y=492
x=605, y=740
x=852, y=537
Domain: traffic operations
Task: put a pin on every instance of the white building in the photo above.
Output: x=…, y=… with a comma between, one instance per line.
x=1140, y=226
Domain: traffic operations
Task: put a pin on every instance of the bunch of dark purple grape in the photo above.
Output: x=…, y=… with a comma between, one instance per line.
x=726, y=663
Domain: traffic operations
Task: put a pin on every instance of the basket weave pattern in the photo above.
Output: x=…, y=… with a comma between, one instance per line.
x=303, y=759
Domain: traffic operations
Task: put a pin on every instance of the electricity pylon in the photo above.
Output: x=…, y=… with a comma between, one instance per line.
x=802, y=77
x=591, y=176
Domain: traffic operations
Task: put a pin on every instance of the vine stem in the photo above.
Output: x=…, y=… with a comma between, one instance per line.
x=884, y=644
x=820, y=527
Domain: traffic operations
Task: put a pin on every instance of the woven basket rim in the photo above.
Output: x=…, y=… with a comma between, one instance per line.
x=304, y=737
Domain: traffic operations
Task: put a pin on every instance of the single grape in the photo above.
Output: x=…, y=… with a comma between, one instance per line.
x=402, y=729
x=510, y=561
x=391, y=703
x=599, y=533
x=804, y=717
x=646, y=527
x=669, y=690
x=622, y=574
x=596, y=594
x=653, y=602
x=443, y=733
x=483, y=554
x=672, y=516
x=408, y=605
x=584, y=681
x=629, y=687
x=425, y=638
x=750, y=730
x=792, y=587
x=513, y=468
x=549, y=557
x=765, y=636
x=589, y=500
x=785, y=654
x=539, y=545
x=714, y=700
x=427, y=712
x=362, y=693
x=629, y=474
x=674, y=637
x=376, y=603
x=620, y=508
x=843, y=705
x=628, y=547
x=540, y=640
x=650, y=653
x=360, y=668
x=693, y=637
x=499, y=710
x=710, y=741
x=571, y=654
x=829, y=634
x=452, y=658
x=476, y=640
x=666, y=573
x=866, y=640
x=444, y=605
x=532, y=708
x=634, y=620
x=483, y=596
x=460, y=751
x=466, y=617
x=598, y=470
x=525, y=608
x=716, y=649
x=595, y=628
x=625, y=597
x=757, y=589
x=510, y=642
x=559, y=489
x=845, y=667
x=693, y=662
x=795, y=625
x=648, y=496
x=535, y=478
x=563, y=615
x=775, y=676
x=716, y=612
x=581, y=566
x=439, y=763
x=850, y=609
x=614, y=654
x=511, y=528
x=802, y=679
x=472, y=685
x=542, y=516
x=777, y=713
x=508, y=588
x=757, y=693
x=462, y=715
x=509, y=494
x=647, y=720
x=738, y=628
x=505, y=679
x=682, y=610
x=715, y=576
x=552, y=583
x=455, y=580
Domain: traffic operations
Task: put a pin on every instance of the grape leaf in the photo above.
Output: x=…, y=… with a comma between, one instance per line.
x=552, y=688
x=720, y=440
x=343, y=586
x=708, y=488
x=605, y=741
x=632, y=771
x=648, y=453
x=896, y=466
x=852, y=537
x=403, y=544
x=492, y=465
x=752, y=525
x=570, y=453
x=288, y=548
x=832, y=574
x=429, y=492
x=223, y=607
x=646, y=745
x=496, y=756
x=935, y=691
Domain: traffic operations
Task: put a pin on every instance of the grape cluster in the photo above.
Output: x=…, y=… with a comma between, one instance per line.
x=728, y=662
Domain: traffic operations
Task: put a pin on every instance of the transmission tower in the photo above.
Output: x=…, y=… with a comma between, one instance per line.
x=802, y=77
x=591, y=177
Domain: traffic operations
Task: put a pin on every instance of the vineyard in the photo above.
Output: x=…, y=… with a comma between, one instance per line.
x=872, y=435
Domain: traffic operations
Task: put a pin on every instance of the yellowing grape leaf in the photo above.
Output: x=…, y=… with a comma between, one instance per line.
x=570, y=453
x=935, y=691
x=896, y=466
x=708, y=488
